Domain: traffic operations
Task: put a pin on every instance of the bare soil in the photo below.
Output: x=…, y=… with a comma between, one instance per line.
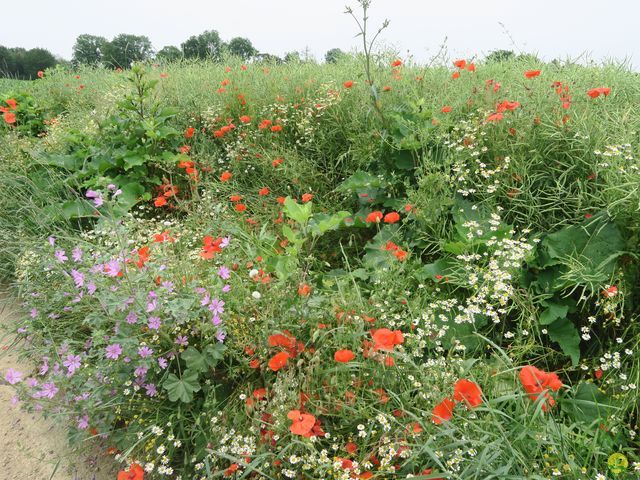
x=32, y=447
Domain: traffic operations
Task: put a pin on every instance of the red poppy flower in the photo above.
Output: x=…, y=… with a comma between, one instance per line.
x=443, y=412
x=495, y=117
x=374, y=217
x=385, y=339
x=471, y=67
x=245, y=118
x=537, y=382
x=610, y=292
x=12, y=103
x=284, y=339
x=531, y=73
x=226, y=176
x=391, y=217
x=135, y=472
x=460, y=64
x=344, y=356
x=596, y=92
x=10, y=117
x=263, y=191
x=235, y=198
x=240, y=207
x=468, y=392
x=302, y=423
x=276, y=128
x=304, y=290
x=348, y=84
x=455, y=75
x=446, y=109
x=40, y=74
x=306, y=197
x=278, y=361
x=160, y=201
x=144, y=254
x=396, y=63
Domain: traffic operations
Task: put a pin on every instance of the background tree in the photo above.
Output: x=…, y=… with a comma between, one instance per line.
x=292, y=57
x=7, y=62
x=125, y=49
x=499, y=56
x=169, y=54
x=88, y=49
x=241, y=47
x=333, y=55
x=35, y=60
x=206, y=45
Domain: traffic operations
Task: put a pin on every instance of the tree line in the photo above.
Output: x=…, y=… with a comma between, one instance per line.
x=125, y=49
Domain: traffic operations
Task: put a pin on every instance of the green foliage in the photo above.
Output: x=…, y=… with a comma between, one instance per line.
x=89, y=49
x=169, y=54
x=124, y=50
x=29, y=115
x=241, y=47
x=207, y=45
x=25, y=64
x=134, y=149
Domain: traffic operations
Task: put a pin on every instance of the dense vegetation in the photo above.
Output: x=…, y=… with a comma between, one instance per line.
x=254, y=271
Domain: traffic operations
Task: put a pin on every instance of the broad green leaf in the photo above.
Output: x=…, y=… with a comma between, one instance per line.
x=588, y=404
x=299, y=213
x=322, y=223
x=194, y=359
x=182, y=388
x=553, y=312
x=565, y=334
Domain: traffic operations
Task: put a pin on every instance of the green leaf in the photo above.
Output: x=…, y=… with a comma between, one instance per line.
x=194, y=359
x=77, y=208
x=553, y=312
x=322, y=223
x=588, y=404
x=182, y=388
x=131, y=194
x=214, y=353
x=299, y=213
x=565, y=334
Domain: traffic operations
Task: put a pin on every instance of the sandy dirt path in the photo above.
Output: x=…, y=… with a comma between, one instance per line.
x=32, y=447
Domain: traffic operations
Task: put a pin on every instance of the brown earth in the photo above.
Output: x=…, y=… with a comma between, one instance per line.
x=32, y=447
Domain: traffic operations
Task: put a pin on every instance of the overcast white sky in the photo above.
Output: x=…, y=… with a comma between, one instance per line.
x=551, y=28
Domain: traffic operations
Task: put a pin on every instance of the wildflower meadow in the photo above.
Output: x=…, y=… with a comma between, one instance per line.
x=369, y=269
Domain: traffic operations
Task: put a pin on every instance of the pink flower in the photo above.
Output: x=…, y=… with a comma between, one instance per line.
x=13, y=376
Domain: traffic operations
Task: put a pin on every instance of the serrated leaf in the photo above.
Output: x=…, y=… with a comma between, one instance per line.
x=298, y=212
x=553, y=312
x=565, y=334
x=182, y=388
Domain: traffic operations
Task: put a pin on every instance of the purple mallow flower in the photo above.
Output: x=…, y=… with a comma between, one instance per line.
x=131, y=318
x=217, y=306
x=112, y=268
x=145, y=352
x=13, y=376
x=78, y=278
x=48, y=390
x=182, y=341
x=151, y=389
x=72, y=362
x=83, y=422
x=114, y=351
x=224, y=272
x=154, y=323
x=61, y=256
